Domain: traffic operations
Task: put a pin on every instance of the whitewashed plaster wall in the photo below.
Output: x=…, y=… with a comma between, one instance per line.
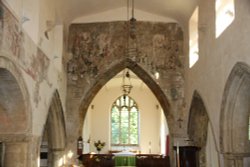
x=14, y=5
x=217, y=58
x=97, y=122
x=120, y=14
x=212, y=158
x=26, y=9
x=34, y=63
x=48, y=80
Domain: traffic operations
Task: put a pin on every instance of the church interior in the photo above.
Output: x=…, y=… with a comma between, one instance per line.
x=124, y=83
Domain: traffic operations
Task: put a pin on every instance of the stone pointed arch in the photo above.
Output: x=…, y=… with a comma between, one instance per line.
x=56, y=123
x=54, y=135
x=14, y=102
x=198, y=121
x=198, y=126
x=235, y=110
x=15, y=114
x=102, y=79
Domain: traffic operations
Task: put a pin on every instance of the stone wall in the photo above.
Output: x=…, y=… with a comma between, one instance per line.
x=96, y=46
x=198, y=127
x=101, y=50
x=15, y=44
x=26, y=70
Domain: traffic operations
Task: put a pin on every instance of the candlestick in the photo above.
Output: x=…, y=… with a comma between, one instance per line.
x=178, y=155
x=177, y=145
x=167, y=145
x=149, y=147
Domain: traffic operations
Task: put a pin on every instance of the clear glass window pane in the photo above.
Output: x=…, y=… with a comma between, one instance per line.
x=134, y=139
x=124, y=122
x=115, y=128
x=115, y=138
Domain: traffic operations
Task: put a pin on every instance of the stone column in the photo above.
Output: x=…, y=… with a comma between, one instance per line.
x=16, y=154
x=20, y=150
x=233, y=160
x=58, y=158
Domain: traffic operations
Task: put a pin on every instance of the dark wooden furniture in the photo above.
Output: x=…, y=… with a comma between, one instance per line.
x=107, y=160
x=152, y=160
x=97, y=160
x=2, y=149
x=189, y=156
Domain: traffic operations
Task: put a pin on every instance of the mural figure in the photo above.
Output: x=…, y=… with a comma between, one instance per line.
x=96, y=46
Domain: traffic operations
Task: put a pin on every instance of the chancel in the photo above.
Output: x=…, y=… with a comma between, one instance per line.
x=145, y=83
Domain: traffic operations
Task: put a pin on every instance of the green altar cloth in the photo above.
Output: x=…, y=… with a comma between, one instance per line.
x=126, y=161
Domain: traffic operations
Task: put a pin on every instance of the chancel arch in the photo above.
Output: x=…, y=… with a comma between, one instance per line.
x=110, y=73
x=99, y=51
x=143, y=110
x=234, y=119
x=53, y=142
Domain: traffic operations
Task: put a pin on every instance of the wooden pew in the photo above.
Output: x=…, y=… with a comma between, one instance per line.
x=152, y=160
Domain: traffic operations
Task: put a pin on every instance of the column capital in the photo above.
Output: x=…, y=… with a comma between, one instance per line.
x=238, y=156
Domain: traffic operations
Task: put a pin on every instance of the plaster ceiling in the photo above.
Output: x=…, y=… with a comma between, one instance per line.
x=179, y=10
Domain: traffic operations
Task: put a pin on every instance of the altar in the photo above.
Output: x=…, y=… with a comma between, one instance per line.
x=124, y=160
x=128, y=161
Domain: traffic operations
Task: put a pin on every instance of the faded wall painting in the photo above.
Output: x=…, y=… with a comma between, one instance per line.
x=95, y=46
x=22, y=49
x=13, y=115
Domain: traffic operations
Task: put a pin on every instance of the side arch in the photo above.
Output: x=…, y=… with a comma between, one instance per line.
x=56, y=123
x=198, y=126
x=235, y=111
x=53, y=142
x=15, y=107
x=15, y=114
x=198, y=121
x=103, y=78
